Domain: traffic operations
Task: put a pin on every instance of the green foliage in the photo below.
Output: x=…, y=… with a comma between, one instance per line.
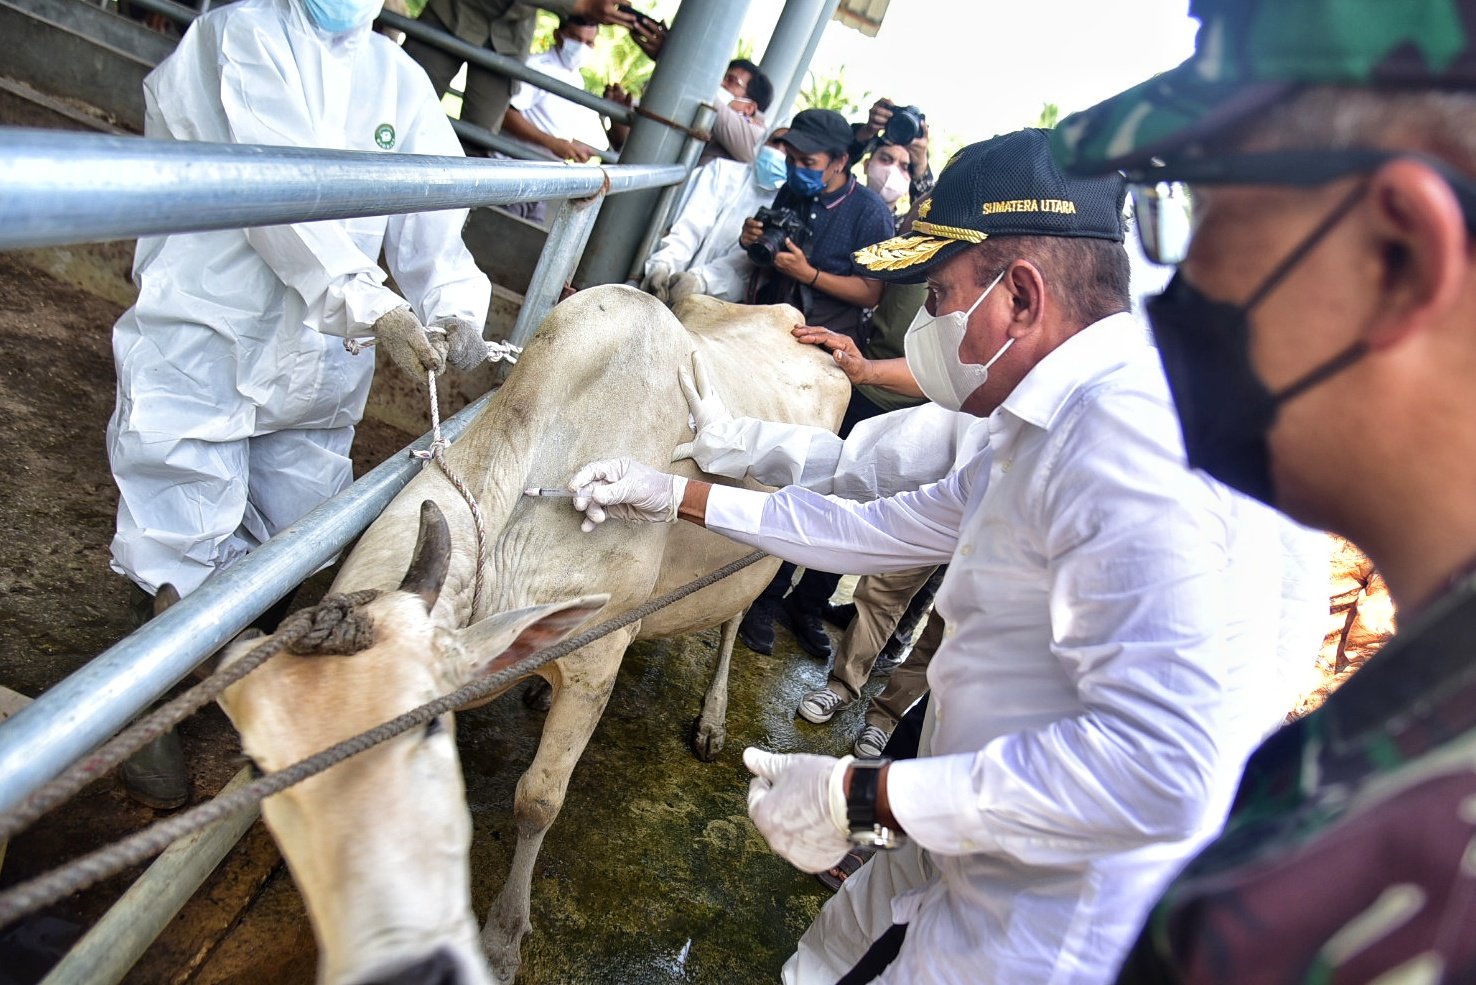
x=1050, y=113
x=616, y=57
x=829, y=92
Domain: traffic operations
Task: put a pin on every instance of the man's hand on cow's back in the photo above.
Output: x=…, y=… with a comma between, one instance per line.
x=841, y=347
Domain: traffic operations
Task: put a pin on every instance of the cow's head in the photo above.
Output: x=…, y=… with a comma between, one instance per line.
x=378, y=844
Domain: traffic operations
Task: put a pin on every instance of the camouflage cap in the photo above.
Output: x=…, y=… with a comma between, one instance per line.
x=1250, y=53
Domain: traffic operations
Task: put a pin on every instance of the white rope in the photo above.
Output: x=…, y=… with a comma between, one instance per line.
x=437, y=453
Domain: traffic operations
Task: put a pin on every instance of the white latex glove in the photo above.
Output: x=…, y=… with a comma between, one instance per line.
x=465, y=347
x=684, y=285
x=627, y=490
x=657, y=279
x=798, y=803
x=706, y=407
x=402, y=337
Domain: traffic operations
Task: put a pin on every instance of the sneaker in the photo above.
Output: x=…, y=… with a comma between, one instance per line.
x=892, y=656
x=820, y=705
x=870, y=743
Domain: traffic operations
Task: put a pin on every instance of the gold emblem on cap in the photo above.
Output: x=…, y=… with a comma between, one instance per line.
x=899, y=252
x=951, y=232
x=924, y=209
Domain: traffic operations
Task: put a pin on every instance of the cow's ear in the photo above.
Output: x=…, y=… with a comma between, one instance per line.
x=502, y=639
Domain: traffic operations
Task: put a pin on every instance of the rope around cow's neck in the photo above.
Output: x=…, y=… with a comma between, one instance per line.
x=32, y=895
x=437, y=453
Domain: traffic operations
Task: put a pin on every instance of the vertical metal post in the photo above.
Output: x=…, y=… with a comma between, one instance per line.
x=567, y=235
x=108, y=951
x=790, y=49
x=670, y=194
x=703, y=36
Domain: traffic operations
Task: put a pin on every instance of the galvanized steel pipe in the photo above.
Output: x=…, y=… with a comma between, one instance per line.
x=503, y=65
x=59, y=188
x=72, y=718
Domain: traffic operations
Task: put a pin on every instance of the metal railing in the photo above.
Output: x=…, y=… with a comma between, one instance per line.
x=472, y=55
x=61, y=188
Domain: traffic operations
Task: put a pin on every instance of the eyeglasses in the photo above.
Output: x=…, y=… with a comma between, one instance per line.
x=1163, y=205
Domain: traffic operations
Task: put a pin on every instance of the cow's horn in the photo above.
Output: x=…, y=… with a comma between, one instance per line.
x=427, y=571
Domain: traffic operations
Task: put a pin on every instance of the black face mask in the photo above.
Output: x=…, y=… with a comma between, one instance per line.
x=1224, y=409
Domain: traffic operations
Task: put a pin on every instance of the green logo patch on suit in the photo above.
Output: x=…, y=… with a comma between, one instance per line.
x=384, y=135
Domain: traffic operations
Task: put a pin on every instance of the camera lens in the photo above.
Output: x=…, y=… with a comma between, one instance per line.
x=904, y=127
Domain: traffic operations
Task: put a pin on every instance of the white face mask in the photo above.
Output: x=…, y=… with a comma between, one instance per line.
x=887, y=180
x=574, y=53
x=932, y=345
x=724, y=97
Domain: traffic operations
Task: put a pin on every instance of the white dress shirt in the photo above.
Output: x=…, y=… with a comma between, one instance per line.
x=1111, y=659
x=555, y=115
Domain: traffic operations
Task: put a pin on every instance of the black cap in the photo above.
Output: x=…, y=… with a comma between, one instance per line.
x=819, y=131
x=1005, y=186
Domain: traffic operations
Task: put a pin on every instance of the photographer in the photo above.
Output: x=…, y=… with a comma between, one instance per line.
x=904, y=126
x=803, y=242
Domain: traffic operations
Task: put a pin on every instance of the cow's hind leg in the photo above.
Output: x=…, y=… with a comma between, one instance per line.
x=710, y=731
x=586, y=678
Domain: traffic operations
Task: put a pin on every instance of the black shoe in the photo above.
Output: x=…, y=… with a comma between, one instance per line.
x=892, y=656
x=839, y=616
x=808, y=631
x=757, y=628
x=155, y=776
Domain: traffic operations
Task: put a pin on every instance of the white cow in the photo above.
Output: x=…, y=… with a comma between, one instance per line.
x=379, y=845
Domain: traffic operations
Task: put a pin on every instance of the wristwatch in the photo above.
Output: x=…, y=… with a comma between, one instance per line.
x=866, y=829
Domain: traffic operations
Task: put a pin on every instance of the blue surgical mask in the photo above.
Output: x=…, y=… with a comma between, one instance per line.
x=807, y=182
x=339, y=16
x=769, y=168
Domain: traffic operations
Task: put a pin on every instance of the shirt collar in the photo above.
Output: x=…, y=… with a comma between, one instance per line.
x=1090, y=354
x=831, y=199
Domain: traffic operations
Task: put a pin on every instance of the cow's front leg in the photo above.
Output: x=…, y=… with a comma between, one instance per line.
x=710, y=730
x=586, y=677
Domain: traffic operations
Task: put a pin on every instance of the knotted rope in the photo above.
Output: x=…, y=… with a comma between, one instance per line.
x=32, y=895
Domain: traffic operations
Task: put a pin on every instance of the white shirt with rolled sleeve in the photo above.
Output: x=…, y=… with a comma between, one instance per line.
x=1112, y=657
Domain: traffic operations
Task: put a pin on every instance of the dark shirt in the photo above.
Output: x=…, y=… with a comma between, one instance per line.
x=841, y=222
x=1350, y=849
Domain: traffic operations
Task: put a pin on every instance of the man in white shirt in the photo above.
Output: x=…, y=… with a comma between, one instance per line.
x=1114, y=617
x=536, y=116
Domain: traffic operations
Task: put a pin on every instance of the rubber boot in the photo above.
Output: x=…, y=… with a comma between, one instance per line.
x=156, y=775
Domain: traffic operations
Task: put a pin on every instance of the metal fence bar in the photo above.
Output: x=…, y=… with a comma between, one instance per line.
x=666, y=205
x=567, y=236
x=59, y=188
x=107, y=952
x=87, y=708
x=503, y=65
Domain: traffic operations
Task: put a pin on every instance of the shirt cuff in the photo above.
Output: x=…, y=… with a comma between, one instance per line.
x=736, y=513
x=934, y=801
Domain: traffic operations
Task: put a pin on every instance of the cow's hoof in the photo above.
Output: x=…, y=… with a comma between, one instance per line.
x=538, y=695
x=707, y=739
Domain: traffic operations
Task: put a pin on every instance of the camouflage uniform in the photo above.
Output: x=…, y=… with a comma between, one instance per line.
x=1351, y=853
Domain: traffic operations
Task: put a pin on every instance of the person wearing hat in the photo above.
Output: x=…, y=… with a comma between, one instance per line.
x=1319, y=339
x=819, y=277
x=1114, y=618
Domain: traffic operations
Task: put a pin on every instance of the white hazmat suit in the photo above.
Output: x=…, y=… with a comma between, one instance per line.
x=236, y=398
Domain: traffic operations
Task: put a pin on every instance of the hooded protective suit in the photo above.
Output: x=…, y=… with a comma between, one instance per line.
x=236, y=399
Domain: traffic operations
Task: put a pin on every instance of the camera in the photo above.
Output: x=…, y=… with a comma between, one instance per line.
x=779, y=225
x=905, y=126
